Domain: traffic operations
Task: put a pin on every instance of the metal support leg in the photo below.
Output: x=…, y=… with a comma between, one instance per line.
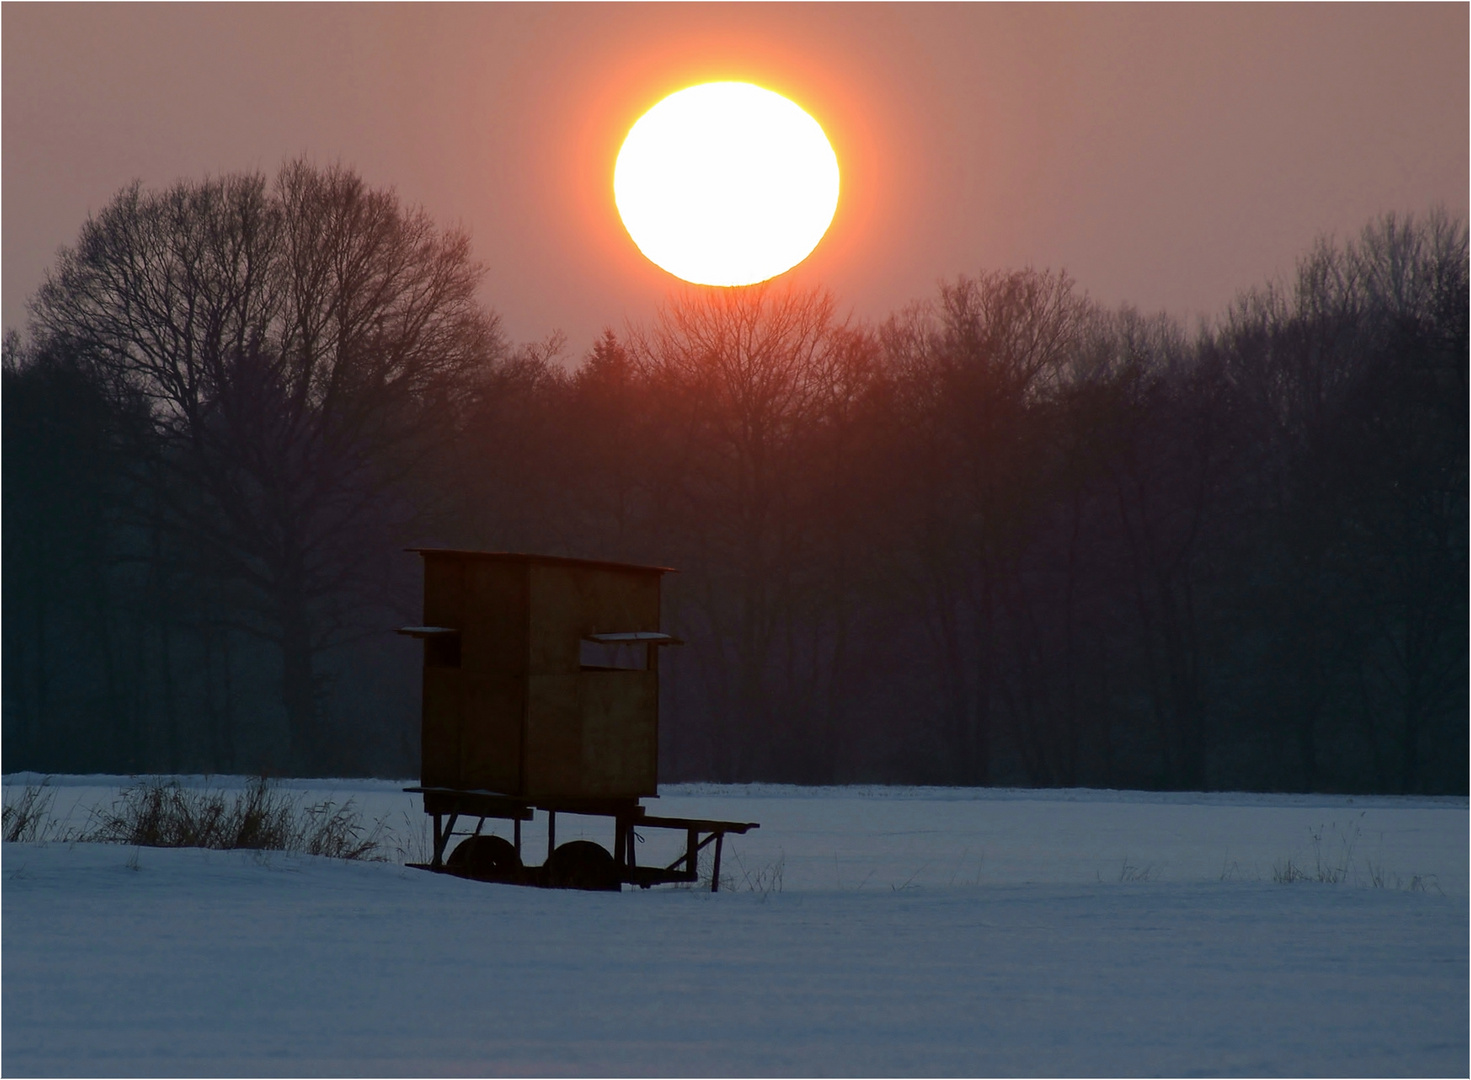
x=518, y=839
x=551, y=833
x=692, y=854
x=441, y=839
x=715, y=873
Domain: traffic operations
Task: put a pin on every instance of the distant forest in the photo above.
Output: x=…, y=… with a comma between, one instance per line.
x=1005, y=536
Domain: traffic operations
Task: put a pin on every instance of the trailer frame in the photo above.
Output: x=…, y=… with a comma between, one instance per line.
x=447, y=805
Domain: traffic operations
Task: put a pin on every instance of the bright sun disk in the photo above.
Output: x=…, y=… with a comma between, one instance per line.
x=726, y=183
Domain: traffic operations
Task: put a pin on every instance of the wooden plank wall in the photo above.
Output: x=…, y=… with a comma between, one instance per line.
x=519, y=714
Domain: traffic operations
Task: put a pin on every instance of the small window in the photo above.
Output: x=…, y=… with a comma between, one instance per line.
x=441, y=644
x=614, y=656
x=442, y=650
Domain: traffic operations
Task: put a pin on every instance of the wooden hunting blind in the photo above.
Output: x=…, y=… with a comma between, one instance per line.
x=510, y=703
x=541, y=691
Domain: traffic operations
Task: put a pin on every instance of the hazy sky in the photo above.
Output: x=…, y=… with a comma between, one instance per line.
x=1165, y=156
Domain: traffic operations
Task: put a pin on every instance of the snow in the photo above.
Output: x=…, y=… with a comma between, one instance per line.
x=863, y=931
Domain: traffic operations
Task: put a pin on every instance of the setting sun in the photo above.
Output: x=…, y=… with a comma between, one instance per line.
x=726, y=183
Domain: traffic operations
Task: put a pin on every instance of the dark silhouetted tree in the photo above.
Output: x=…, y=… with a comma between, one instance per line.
x=298, y=347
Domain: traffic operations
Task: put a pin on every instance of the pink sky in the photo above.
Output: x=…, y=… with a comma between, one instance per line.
x=1165, y=156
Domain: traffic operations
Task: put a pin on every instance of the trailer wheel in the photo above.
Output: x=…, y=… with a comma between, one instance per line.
x=487, y=858
x=581, y=864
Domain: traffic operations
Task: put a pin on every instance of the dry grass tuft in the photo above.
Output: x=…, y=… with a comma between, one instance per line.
x=161, y=813
x=763, y=880
x=27, y=819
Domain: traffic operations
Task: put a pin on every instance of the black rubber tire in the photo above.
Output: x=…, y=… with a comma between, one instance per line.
x=486, y=858
x=581, y=864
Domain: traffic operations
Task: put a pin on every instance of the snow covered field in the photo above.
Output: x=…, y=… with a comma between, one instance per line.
x=861, y=931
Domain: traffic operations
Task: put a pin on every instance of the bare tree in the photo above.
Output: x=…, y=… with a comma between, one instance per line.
x=296, y=345
x=1352, y=379
x=749, y=382
x=972, y=374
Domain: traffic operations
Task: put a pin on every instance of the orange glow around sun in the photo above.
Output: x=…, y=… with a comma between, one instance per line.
x=726, y=183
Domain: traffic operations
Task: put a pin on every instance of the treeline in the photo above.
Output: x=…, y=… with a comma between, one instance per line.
x=1004, y=537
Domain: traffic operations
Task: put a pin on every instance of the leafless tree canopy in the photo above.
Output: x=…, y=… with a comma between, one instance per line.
x=1002, y=536
x=292, y=346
